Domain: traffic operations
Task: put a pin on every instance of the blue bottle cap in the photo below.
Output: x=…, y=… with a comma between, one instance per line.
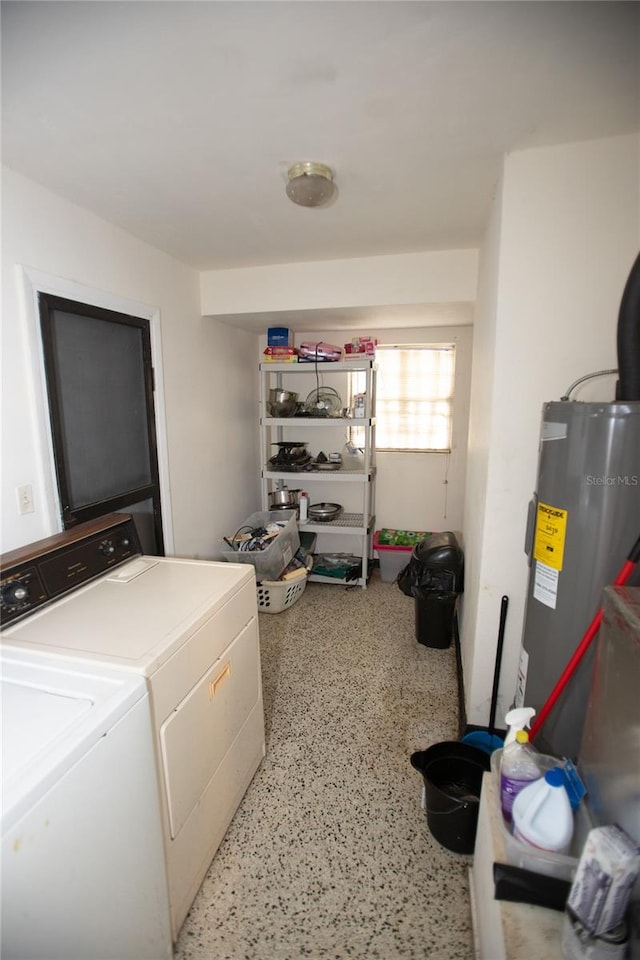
x=555, y=777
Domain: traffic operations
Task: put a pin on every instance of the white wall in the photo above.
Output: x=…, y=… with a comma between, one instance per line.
x=563, y=236
x=207, y=372
x=444, y=276
x=480, y=429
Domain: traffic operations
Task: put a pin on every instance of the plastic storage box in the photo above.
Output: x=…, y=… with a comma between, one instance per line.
x=273, y=561
x=528, y=857
x=394, y=550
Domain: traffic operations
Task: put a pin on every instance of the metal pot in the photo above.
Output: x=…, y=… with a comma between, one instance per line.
x=282, y=396
x=285, y=498
x=324, y=512
x=287, y=409
x=282, y=403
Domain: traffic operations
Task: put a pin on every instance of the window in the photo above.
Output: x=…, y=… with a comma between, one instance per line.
x=414, y=400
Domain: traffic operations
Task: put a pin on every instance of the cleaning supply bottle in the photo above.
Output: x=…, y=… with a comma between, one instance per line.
x=518, y=768
x=518, y=719
x=303, y=507
x=542, y=814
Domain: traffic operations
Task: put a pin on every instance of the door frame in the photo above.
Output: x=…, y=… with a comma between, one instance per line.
x=32, y=283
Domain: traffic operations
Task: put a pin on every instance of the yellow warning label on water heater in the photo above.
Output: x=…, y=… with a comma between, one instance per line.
x=551, y=529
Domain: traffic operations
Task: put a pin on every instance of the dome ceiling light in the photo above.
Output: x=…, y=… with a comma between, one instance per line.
x=311, y=184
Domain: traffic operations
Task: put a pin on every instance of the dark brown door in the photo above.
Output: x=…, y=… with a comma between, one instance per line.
x=100, y=388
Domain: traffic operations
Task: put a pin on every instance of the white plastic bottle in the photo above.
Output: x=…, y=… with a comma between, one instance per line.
x=303, y=507
x=542, y=814
x=518, y=768
x=518, y=719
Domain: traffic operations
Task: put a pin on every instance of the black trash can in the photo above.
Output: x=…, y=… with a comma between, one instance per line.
x=434, y=619
x=434, y=578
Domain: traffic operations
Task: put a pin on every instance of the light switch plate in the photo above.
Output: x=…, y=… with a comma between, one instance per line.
x=25, y=499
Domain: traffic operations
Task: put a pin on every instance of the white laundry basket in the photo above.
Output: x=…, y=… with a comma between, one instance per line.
x=274, y=596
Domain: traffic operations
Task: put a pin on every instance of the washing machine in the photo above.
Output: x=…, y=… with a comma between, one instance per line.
x=189, y=628
x=83, y=875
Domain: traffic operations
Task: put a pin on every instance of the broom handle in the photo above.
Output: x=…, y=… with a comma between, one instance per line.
x=504, y=603
x=585, y=643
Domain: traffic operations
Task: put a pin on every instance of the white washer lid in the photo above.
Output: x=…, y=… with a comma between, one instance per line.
x=32, y=719
x=53, y=712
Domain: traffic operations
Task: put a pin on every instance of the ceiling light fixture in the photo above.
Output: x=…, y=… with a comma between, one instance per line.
x=311, y=184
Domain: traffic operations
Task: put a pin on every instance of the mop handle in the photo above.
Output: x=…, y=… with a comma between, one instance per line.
x=504, y=603
x=583, y=646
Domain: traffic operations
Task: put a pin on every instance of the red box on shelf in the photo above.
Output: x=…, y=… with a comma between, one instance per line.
x=280, y=355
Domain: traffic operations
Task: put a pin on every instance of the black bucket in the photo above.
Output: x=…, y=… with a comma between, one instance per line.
x=452, y=774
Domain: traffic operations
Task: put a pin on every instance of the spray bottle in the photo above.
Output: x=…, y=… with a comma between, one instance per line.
x=518, y=768
x=518, y=719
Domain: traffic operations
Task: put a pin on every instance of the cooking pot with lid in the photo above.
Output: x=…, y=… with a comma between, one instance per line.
x=284, y=499
x=324, y=512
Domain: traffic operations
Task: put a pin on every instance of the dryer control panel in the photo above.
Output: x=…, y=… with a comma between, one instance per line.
x=34, y=575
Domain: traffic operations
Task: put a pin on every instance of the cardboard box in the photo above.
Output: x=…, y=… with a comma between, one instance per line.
x=280, y=355
x=361, y=347
x=607, y=870
x=279, y=337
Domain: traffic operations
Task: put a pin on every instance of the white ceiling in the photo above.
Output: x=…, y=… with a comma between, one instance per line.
x=178, y=121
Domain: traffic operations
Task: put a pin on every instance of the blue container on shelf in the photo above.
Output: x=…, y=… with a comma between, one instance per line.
x=279, y=337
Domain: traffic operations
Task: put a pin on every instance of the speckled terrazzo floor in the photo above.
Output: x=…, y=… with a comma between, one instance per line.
x=329, y=854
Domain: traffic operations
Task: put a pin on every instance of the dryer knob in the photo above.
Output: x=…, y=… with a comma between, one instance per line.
x=14, y=593
x=107, y=548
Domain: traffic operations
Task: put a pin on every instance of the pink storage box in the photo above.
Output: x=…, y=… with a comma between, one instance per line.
x=392, y=559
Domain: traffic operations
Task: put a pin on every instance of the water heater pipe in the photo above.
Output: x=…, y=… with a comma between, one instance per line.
x=628, y=337
x=585, y=643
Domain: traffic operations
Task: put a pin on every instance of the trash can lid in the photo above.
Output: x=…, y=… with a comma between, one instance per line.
x=439, y=550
